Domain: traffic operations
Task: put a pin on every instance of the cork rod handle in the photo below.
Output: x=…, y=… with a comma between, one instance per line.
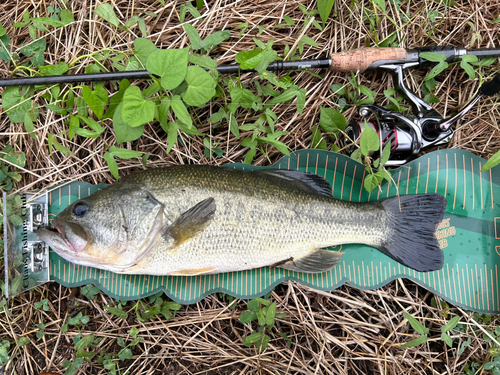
x=361, y=59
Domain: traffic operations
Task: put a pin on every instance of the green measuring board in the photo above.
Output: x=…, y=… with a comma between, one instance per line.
x=469, y=236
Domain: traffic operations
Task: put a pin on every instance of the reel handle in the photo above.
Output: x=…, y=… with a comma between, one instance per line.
x=492, y=87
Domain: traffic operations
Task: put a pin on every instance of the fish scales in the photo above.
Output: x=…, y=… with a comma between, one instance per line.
x=257, y=222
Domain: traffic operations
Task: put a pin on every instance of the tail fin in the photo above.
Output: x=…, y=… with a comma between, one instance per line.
x=411, y=241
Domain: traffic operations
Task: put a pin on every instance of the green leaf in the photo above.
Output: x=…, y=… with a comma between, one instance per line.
x=28, y=124
x=180, y=110
x=249, y=59
x=492, y=162
x=5, y=48
x=106, y=12
x=84, y=342
x=357, y=155
x=215, y=39
x=144, y=48
x=117, y=99
x=483, y=62
x=381, y=4
x=86, y=133
x=115, y=311
x=366, y=91
x=233, y=126
x=465, y=344
x=417, y=326
x=123, y=131
x=468, y=69
x=284, y=97
x=451, y=324
x=386, y=153
x=270, y=314
x=194, y=37
x=66, y=17
x=59, y=147
x=23, y=341
x=331, y=121
x=74, y=124
x=49, y=21
x=369, y=141
x=301, y=100
x=201, y=87
x=436, y=70
x=306, y=40
x=96, y=100
x=121, y=342
x=254, y=305
x=338, y=89
x=136, y=110
x=124, y=354
x=447, y=339
x=416, y=342
x=243, y=97
x=317, y=140
x=433, y=56
x=253, y=338
x=202, y=60
x=2, y=30
x=217, y=116
x=250, y=155
x=264, y=343
x=170, y=64
x=54, y=70
x=248, y=316
x=123, y=153
x=15, y=105
x=279, y=145
x=91, y=123
x=324, y=9
x=268, y=57
x=171, y=129
x=488, y=366
x=372, y=181
x=112, y=165
x=248, y=142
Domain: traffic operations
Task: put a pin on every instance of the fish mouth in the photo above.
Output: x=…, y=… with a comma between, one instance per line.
x=58, y=238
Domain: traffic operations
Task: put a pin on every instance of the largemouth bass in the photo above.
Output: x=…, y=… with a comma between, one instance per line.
x=192, y=220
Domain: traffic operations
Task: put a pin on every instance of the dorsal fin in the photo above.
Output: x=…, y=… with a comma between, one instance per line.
x=299, y=181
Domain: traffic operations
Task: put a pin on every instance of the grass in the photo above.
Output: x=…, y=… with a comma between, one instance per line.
x=346, y=331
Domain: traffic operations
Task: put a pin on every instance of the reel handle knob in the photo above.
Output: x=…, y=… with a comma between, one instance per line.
x=492, y=87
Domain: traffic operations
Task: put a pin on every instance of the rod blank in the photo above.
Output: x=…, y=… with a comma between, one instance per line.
x=144, y=74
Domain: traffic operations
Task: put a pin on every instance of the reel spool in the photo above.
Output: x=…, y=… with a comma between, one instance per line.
x=412, y=133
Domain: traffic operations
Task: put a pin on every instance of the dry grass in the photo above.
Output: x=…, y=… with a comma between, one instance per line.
x=347, y=331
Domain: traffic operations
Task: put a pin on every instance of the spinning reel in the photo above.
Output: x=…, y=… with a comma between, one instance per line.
x=410, y=134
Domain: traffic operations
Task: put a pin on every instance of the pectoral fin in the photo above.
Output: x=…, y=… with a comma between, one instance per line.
x=316, y=262
x=191, y=223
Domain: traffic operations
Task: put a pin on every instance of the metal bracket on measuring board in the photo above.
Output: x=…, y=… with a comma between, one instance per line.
x=26, y=258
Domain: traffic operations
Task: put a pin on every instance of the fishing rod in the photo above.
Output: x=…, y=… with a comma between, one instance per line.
x=363, y=59
x=408, y=134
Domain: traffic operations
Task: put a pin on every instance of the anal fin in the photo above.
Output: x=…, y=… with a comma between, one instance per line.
x=316, y=262
x=194, y=272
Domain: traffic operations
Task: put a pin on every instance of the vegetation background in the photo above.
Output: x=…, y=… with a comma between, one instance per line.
x=346, y=331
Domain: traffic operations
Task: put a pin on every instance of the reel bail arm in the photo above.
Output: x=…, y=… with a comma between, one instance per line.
x=425, y=127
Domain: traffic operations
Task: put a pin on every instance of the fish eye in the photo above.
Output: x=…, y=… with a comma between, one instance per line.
x=80, y=209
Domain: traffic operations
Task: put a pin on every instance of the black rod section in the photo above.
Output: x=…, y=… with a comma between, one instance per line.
x=484, y=52
x=144, y=74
